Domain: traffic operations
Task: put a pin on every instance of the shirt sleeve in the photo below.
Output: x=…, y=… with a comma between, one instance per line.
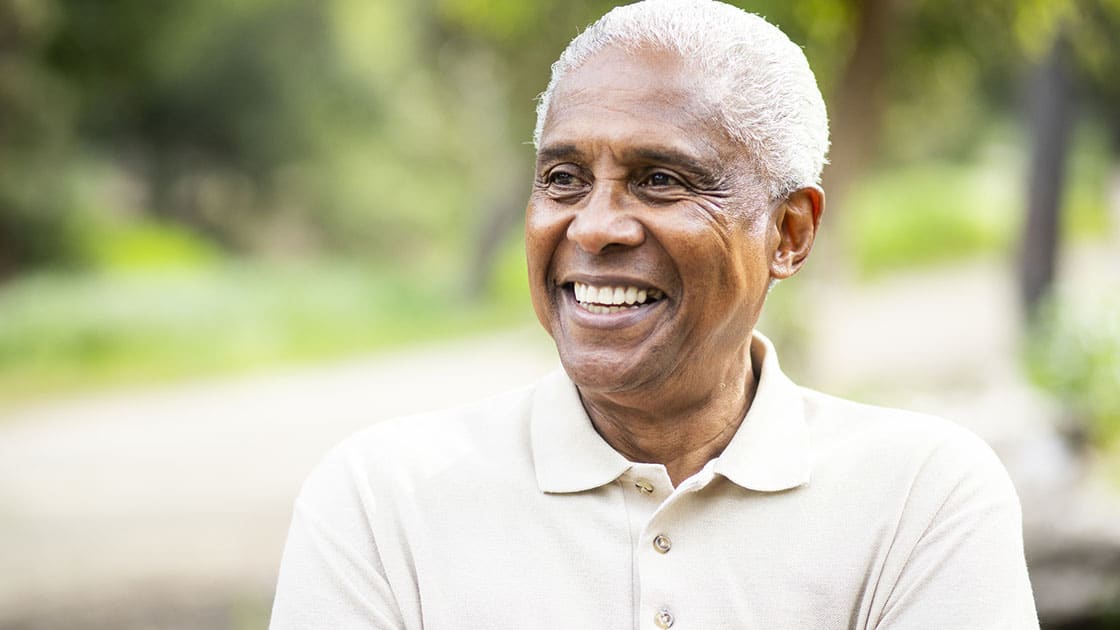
x=331, y=574
x=962, y=563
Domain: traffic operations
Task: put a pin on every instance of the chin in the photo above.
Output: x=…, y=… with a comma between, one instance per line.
x=605, y=372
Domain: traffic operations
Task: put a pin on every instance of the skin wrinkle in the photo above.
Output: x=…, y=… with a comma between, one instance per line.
x=712, y=176
x=714, y=185
x=673, y=381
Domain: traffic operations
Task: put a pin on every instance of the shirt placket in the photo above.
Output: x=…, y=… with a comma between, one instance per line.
x=645, y=487
x=661, y=545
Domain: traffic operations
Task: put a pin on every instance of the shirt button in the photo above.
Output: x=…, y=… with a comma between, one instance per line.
x=644, y=486
x=662, y=543
x=663, y=619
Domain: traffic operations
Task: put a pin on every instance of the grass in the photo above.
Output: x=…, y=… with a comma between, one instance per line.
x=918, y=216
x=62, y=332
x=924, y=213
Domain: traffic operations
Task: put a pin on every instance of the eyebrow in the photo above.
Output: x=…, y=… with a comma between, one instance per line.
x=557, y=152
x=664, y=155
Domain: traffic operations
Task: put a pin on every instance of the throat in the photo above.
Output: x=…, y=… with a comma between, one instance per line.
x=683, y=440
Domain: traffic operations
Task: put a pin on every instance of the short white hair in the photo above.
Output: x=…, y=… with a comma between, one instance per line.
x=767, y=96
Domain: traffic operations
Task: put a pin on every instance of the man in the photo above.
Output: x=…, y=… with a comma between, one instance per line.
x=670, y=475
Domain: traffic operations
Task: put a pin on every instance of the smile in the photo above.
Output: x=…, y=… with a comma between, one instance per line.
x=612, y=299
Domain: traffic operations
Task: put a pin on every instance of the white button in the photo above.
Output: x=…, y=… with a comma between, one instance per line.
x=644, y=486
x=662, y=543
x=663, y=619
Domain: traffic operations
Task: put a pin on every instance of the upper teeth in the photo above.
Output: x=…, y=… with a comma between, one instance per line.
x=587, y=293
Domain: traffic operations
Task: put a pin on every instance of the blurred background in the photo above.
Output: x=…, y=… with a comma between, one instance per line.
x=233, y=232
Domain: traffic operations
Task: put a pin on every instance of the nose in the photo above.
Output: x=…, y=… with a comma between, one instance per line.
x=604, y=221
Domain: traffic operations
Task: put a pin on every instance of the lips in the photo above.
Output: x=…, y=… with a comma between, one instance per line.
x=605, y=299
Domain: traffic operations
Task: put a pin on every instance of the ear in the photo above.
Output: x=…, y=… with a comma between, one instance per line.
x=796, y=221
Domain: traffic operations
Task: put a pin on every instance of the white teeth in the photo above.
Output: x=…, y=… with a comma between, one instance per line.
x=612, y=299
x=599, y=308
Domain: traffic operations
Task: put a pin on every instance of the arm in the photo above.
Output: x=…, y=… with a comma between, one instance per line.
x=331, y=575
x=960, y=562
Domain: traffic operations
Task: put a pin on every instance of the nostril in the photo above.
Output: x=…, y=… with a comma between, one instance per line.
x=605, y=221
x=599, y=231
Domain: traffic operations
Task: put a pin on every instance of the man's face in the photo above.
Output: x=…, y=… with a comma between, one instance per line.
x=648, y=247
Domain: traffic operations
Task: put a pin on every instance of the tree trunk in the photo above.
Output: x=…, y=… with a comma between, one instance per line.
x=856, y=107
x=858, y=100
x=1050, y=117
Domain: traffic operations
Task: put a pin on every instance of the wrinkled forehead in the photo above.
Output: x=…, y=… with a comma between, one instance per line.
x=638, y=68
x=618, y=91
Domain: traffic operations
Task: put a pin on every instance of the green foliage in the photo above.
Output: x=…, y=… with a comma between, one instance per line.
x=374, y=126
x=239, y=120
x=1085, y=203
x=151, y=246
x=1074, y=352
x=509, y=284
x=37, y=225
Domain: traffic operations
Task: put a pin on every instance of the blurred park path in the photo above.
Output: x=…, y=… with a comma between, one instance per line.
x=130, y=506
x=181, y=497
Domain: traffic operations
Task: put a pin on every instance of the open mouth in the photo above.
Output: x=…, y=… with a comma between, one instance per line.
x=612, y=299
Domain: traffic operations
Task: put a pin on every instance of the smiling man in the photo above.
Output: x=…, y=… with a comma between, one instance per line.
x=670, y=475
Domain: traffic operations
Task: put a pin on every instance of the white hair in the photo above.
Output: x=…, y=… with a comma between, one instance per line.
x=767, y=96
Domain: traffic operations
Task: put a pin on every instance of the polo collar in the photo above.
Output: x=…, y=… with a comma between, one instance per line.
x=569, y=454
x=769, y=452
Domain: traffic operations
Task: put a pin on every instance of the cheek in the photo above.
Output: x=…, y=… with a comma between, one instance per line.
x=723, y=269
x=544, y=231
x=544, y=234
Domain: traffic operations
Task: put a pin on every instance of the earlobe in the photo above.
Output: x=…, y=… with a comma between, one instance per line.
x=796, y=221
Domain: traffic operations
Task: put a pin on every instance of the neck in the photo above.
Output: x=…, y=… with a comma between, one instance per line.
x=683, y=433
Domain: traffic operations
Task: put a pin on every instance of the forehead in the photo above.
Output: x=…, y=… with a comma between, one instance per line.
x=630, y=101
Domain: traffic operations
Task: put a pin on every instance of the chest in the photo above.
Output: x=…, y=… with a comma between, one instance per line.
x=626, y=557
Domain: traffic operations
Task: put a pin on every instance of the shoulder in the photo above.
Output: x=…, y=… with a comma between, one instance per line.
x=403, y=453
x=837, y=423
x=483, y=424
x=920, y=456
x=941, y=512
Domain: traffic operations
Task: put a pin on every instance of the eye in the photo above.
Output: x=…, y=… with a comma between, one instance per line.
x=660, y=179
x=563, y=182
x=564, y=179
x=561, y=178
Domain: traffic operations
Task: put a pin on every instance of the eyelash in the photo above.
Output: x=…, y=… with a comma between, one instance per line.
x=551, y=178
x=672, y=180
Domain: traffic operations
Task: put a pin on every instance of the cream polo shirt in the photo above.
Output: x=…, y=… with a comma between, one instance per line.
x=513, y=513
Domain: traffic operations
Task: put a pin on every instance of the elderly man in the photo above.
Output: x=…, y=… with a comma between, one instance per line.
x=670, y=475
